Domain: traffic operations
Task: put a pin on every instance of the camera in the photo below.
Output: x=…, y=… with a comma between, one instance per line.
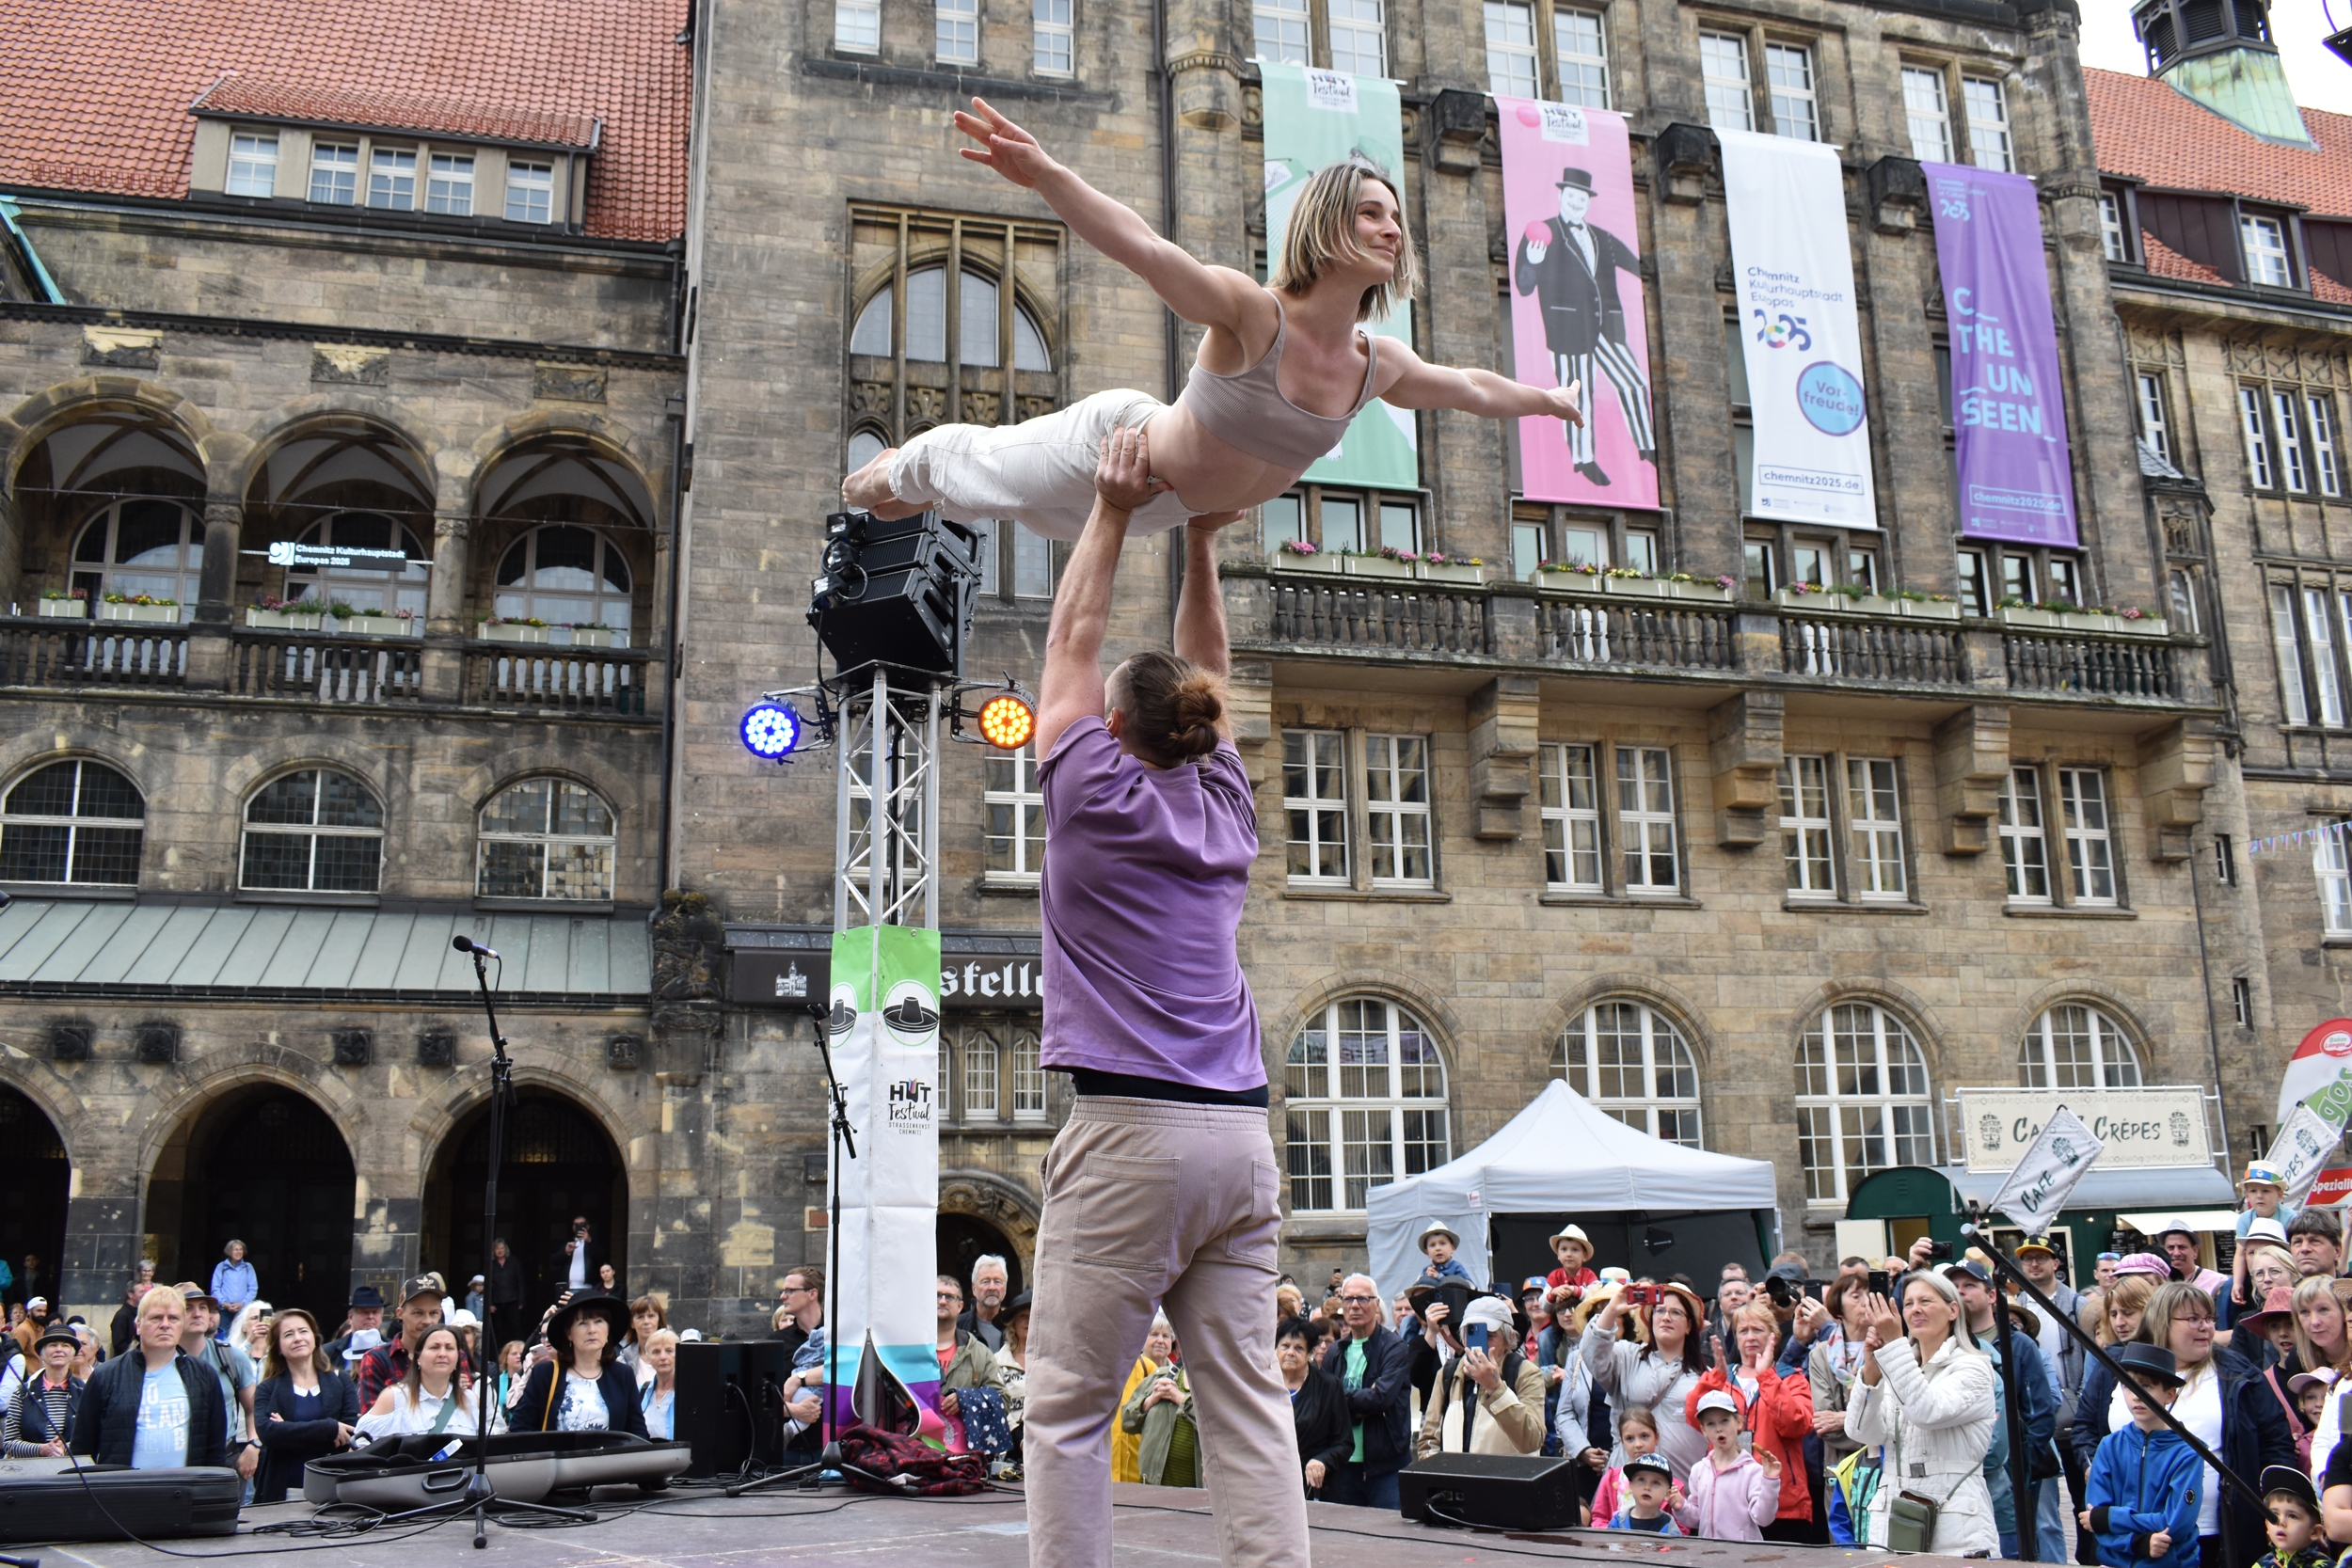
x=1782, y=1291
x=1940, y=1252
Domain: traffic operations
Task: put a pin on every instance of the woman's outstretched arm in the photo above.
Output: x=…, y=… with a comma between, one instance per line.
x=1419, y=384
x=1203, y=294
x=1200, y=635
x=1072, y=687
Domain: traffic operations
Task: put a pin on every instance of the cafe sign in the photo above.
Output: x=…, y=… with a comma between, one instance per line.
x=2149, y=1127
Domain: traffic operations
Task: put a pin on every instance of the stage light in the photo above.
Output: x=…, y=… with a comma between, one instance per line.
x=771, y=730
x=1007, y=721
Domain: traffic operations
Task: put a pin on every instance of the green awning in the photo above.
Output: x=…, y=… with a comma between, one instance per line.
x=253, y=951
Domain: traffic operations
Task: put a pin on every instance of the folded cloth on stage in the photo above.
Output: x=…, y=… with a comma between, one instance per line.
x=867, y=1451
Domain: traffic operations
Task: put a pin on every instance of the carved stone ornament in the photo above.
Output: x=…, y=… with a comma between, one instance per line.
x=156, y=1041
x=121, y=348
x=350, y=365
x=686, y=942
x=568, y=383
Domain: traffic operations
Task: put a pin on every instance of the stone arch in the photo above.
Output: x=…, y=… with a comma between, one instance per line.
x=603, y=438
x=46, y=412
x=2118, y=1010
x=437, y=1117
x=483, y=783
x=246, y=772
x=50, y=1095
x=1901, y=1000
x=197, y=1083
x=988, y=1199
x=933, y=251
x=305, y=417
x=20, y=754
x=1432, y=1009
x=1646, y=989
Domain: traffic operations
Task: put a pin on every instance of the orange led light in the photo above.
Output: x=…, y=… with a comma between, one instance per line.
x=1005, y=722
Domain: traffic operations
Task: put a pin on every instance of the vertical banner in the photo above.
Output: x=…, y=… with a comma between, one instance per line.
x=1794, y=266
x=885, y=1027
x=1313, y=118
x=1577, y=312
x=2016, y=481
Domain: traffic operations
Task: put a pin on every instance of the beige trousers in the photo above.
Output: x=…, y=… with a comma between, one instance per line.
x=1146, y=1201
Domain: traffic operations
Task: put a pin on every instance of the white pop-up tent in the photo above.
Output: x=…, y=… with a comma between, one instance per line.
x=1560, y=1155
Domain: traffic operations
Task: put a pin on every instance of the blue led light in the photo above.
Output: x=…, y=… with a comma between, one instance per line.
x=771, y=730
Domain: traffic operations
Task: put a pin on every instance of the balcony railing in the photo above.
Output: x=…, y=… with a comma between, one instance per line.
x=1509, y=624
x=246, y=664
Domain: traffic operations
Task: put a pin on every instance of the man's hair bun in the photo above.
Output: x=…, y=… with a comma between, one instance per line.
x=1173, y=706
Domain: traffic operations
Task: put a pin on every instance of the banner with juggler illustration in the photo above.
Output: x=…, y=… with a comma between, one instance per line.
x=1799, y=331
x=1577, y=309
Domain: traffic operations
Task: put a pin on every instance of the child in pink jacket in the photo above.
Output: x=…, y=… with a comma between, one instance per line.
x=1733, y=1495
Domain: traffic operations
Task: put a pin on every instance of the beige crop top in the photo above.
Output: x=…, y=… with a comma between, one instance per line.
x=1249, y=412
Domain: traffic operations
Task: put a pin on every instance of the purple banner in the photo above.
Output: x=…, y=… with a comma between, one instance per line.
x=2016, y=481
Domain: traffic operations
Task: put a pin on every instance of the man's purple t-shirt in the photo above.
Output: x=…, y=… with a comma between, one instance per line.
x=1146, y=871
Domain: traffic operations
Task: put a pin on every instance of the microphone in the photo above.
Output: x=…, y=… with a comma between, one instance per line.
x=467, y=944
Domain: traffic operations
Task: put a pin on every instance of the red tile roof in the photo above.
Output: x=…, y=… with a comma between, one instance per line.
x=2148, y=129
x=2165, y=261
x=262, y=99
x=96, y=96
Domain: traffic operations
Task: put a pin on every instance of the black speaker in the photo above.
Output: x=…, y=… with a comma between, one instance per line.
x=728, y=1403
x=1501, y=1490
x=116, y=1505
x=900, y=592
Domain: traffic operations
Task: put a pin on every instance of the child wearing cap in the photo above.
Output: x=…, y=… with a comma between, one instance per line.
x=1637, y=1435
x=2145, y=1484
x=2294, y=1527
x=1734, y=1493
x=1649, y=1491
x=2264, y=1189
x=1575, y=1251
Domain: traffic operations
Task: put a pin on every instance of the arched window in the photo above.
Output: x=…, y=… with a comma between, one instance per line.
x=317, y=831
x=73, y=822
x=149, y=547
x=2076, y=1047
x=1632, y=1062
x=927, y=324
x=567, y=577
x=1366, y=1098
x=369, y=587
x=1863, y=1101
x=865, y=446
x=547, y=838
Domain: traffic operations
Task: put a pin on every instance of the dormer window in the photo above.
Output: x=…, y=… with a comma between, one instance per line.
x=2264, y=241
x=450, y=187
x=392, y=179
x=335, y=173
x=529, y=192
x=2111, y=238
x=253, y=163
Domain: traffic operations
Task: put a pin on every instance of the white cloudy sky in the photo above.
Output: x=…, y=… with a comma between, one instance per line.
x=2321, y=81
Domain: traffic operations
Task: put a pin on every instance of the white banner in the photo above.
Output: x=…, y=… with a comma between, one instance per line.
x=2306, y=1140
x=2145, y=1127
x=1794, y=267
x=884, y=1029
x=2036, y=1189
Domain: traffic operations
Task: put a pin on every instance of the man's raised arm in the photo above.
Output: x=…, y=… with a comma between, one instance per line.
x=1072, y=686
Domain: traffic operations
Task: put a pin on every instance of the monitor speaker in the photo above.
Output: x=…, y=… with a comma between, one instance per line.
x=900, y=592
x=727, y=1405
x=1499, y=1491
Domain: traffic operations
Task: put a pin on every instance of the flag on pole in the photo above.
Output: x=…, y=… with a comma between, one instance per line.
x=2045, y=1175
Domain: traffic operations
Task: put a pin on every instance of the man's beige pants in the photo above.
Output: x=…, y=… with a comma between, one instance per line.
x=1150, y=1201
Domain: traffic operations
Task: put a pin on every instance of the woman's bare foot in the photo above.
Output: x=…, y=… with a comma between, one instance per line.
x=868, y=489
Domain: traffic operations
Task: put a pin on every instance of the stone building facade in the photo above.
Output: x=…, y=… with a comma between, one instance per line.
x=711, y=303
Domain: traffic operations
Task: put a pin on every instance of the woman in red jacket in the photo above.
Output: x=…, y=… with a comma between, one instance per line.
x=1776, y=1410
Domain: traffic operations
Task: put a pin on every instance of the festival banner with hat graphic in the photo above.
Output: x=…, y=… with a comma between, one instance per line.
x=1314, y=118
x=1577, y=307
x=881, y=1326
x=1793, y=264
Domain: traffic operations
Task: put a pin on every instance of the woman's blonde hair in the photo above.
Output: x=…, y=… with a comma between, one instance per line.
x=2171, y=1304
x=2319, y=1288
x=1322, y=234
x=2132, y=1293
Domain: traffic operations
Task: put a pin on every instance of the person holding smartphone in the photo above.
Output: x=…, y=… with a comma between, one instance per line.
x=1488, y=1397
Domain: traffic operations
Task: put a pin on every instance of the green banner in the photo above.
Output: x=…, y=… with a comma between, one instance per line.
x=1313, y=118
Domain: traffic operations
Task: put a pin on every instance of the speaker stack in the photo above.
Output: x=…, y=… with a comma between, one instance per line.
x=900, y=592
x=727, y=1406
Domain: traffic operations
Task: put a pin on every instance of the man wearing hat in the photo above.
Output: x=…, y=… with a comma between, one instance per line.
x=40, y=1409
x=366, y=1313
x=2141, y=1496
x=1573, y=269
x=2038, y=1258
x=1487, y=1400
x=198, y=1329
x=420, y=1310
x=2036, y=1394
x=2178, y=1240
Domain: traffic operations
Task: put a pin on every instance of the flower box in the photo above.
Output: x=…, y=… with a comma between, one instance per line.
x=163, y=614
x=1378, y=567
x=1453, y=571
x=1638, y=588
x=582, y=637
x=509, y=632
x=1567, y=582
x=2147, y=625
x=1872, y=604
x=2039, y=620
x=1928, y=610
x=1704, y=593
x=284, y=620
x=378, y=625
x=1318, y=564
x=1813, y=601
x=66, y=610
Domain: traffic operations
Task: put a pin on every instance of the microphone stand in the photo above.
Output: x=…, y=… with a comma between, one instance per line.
x=844, y=1145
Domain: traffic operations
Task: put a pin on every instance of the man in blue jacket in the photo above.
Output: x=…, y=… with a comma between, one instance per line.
x=152, y=1408
x=2145, y=1484
x=1374, y=1364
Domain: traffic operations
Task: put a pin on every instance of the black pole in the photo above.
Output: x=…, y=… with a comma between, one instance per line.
x=2023, y=1502
x=477, y=1490
x=2008, y=1269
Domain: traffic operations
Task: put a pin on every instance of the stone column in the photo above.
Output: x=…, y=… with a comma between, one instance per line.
x=217, y=588
x=446, y=622
x=13, y=585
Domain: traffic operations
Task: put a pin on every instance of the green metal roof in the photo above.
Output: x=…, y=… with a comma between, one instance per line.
x=67, y=948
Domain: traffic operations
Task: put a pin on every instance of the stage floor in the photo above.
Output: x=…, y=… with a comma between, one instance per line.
x=1153, y=1525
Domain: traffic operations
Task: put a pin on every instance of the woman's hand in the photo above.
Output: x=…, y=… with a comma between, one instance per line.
x=342, y=1434
x=1885, y=1326
x=950, y=1404
x=1811, y=1315
x=1611, y=1310
x=1314, y=1473
x=1720, y=1365
x=1566, y=401
x=54, y=1448
x=1004, y=146
x=1163, y=1390
x=1827, y=1421
x=1122, y=477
